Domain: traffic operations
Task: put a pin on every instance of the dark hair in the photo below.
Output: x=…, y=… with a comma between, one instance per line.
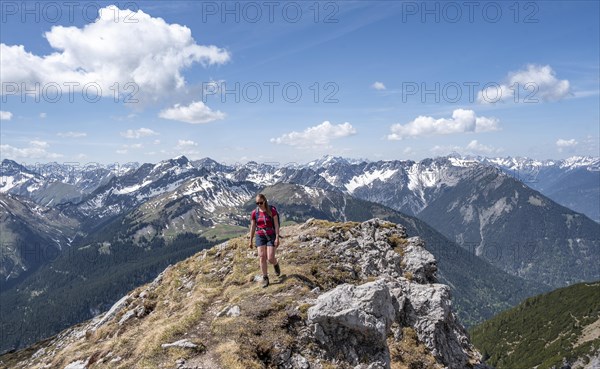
x=264, y=198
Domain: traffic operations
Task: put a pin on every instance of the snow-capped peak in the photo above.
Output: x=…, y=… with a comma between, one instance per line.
x=580, y=161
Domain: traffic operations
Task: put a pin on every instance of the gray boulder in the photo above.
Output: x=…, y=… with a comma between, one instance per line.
x=428, y=310
x=354, y=321
x=419, y=262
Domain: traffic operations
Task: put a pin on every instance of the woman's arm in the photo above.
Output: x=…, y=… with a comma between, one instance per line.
x=252, y=231
x=276, y=224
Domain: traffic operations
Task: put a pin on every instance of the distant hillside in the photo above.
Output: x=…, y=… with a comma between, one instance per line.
x=560, y=329
x=572, y=182
x=31, y=235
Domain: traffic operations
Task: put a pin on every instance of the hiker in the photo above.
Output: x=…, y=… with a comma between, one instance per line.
x=265, y=222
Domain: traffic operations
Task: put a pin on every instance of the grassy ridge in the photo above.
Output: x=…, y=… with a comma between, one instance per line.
x=186, y=304
x=543, y=331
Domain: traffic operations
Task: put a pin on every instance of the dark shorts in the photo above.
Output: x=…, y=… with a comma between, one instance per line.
x=264, y=240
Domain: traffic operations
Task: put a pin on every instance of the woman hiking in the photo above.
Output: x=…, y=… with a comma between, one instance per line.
x=265, y=223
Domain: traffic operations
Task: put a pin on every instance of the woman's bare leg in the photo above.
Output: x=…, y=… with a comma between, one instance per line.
x=271, y=255
x=262, y=255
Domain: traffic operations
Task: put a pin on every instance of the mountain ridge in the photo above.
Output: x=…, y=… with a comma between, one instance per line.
x=362, y=280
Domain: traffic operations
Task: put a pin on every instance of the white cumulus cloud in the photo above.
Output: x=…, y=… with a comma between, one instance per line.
x=133, y=146
x=378, y=86
x=120, y=46
x=567, y=145
x=138, y=133
x=533, y=84
x=319, y=135
x=36, y=150
x=182, y=144
x=72, y=134
x=461, y=121
x=472, y=148
x=195, y=113
x=186, y=147
x=5, y=115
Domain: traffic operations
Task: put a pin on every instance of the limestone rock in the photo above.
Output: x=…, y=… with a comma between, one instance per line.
x=428, y=310
x=112, y=312
x=79, y=364
x=234, y=311
x=419, y=262
x=184, y=343
x=128, y=315
x=354, y=320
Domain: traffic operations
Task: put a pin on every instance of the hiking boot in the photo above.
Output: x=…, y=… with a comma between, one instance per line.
x=277, y=269
x=265, y=281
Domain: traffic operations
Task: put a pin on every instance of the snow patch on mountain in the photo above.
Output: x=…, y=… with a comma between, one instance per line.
x=536, y=201
x=200, y=184
x=130, y=189
x=311, y=191
x=580, y=161
x=264, y=179
x=325, y=161
x=521, y=163
x=422, y=177
x=462, y=162
x=332, y=180
x=368, y=178
x=9, y=182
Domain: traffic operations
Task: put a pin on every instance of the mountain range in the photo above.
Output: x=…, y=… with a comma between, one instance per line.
x=352, y=295
x=571, y=182
x=485, y=210
x=128, y=224
x=126, y=251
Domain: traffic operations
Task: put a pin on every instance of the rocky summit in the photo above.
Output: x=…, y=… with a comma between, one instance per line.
x=351, y=295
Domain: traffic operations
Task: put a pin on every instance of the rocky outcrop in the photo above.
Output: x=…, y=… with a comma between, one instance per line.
x=355, y=321
x=356, y=295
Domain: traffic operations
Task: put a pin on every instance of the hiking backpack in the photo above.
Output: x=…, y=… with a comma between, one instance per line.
x=267, y=215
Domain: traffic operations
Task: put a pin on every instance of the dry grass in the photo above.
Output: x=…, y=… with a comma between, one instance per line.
x=324, y=228
x=269, y=320
x=229, y=352
x=409, y=353
x=397, y=241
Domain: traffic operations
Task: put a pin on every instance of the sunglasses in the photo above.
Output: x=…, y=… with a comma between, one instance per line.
x=259, y=203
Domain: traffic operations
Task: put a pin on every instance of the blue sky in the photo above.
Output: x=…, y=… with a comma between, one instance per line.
x=292, y=81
